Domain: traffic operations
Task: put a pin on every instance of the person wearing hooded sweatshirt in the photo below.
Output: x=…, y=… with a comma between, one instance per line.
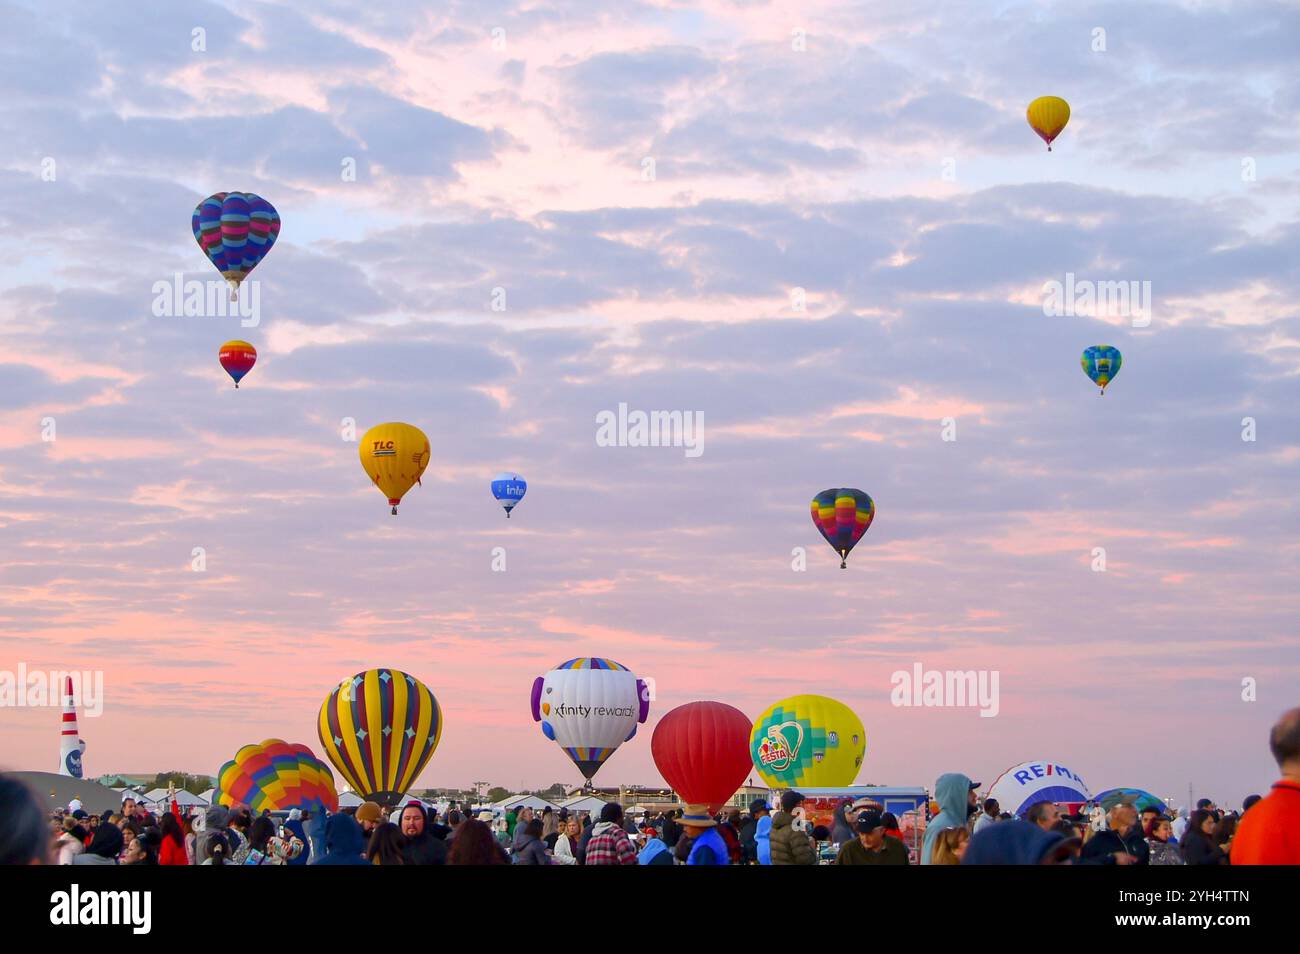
x=295, y=827
x=841, y=828
x=655, y=852
x=609, y=844
x=530, y=849
x=214, y=820
x=955, y=794
x=421, y=847
x=104, y=847
x=344, y=842
x=520, y=832
x=1017, y=842
x=790, y=845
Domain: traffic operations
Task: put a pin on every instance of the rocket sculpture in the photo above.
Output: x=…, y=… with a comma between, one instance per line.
x=70, y=744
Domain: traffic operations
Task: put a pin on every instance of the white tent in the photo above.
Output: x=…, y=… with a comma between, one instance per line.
x=207, y=797
x=516, y=802
x=158, y=797
x=585, y=803
x=350, y=800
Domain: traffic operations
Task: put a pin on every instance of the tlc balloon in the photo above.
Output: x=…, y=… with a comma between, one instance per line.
x=589, y=707
x=379, y=729
x=808, y=741
x=1101, y=363
x=1022, y=786
x=394, y=456
x=1048, y=116
x=843, y=516
x=509, y=489
x=235, y=230
x=238, y=358
x=702, y=750
x=277, y=776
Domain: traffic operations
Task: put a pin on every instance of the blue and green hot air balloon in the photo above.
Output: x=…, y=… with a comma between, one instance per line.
x=509, y=489
x=1101, y=363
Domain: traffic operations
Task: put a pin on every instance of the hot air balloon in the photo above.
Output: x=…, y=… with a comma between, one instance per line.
x=235, y=231
x=278, y=776
x=1020, y=787
x=702, y=750
x=1048, y=116
x=394, y=456
x=379, y=729
x=808, y=741
x=238, y=358
x=1142, y=800
x=843, y=516
x=1101, y=363
x=589, y=706
x=509, y=489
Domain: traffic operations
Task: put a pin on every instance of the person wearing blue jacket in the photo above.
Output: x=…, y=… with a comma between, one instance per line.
x=294, y=824
x=763, y=839
x=1018, y=842
x=955, y=794
x=344, y=842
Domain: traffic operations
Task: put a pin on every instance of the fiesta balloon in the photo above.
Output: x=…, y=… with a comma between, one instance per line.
x=702, y=750
x=1048, y=116
x=589, y=707
x=1142, y=800
x=278, y=776
x=808, y=742
x=379, y=729
x=509, y=489
x=394, y=456
x=843, y=516
x=1022, y=786
x=1101, y=363
x=238, y=358
x=235, y=231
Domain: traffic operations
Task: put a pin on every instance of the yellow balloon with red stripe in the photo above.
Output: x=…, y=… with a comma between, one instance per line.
x=1048, y=116
x=394, y=456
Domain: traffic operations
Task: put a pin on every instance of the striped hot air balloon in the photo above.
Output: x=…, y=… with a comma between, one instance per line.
x=379, y=729
x=843, y=516
x=235, y=230
x=278, y=776
x=238, y=358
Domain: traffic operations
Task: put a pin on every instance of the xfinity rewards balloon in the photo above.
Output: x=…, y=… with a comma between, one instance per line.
x=276, y=776
x=589, y=707
x=394, y=456
x=702, y=750
x=235, y=230
x=1022, y=786
x=808, y=741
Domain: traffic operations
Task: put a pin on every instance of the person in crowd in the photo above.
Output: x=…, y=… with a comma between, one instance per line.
x=1269, y=832
x=1122, y=842
x=344, y=842
x=763, y=838
x=171, y=848
x=566, y=843
x=435, y=827
x=950, y=846
x=105, y=846
x=550, y=828
x=295, y=828
x=71, y=841
x=1017, y=842
x=955, y=794
x=729, y=829
x=708, y=847
x=749, y=830
x=1223, y=834
x=872, y=846
x=476, y=844
x=1043, y=814
x=990, y=814
x=1249, y=802
x=266, y=846
x=790, y=845
x=1147, y=815
x=385, y=846
x=421, y=848
x=522, y=820
x=501, y=832
x=530, y=849
x=369, y=816
x=654, y=851
x=609, y=844
x=512, y=820
x=24, y=832
x=1179, y=825
x=144, y=848
x=1197, y=844
x=669, y=830
x=841, y=826
x=890, y=821
x=215, y=849
x=1159, y=830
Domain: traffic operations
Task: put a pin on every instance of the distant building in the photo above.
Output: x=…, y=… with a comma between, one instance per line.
x=659, y=798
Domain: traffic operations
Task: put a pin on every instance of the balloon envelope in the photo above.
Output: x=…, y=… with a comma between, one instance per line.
x=238, y=358
x=379, y=729
x=1101, y=363
x=702, y=750
x=1141, y=799
x=235, y=230
x=394, y=455
x=509, y=489
x=1022, y=786
x=808, y=741
x=842, y=515
x=1048, y=116
x=589, y=707
x=276, y=775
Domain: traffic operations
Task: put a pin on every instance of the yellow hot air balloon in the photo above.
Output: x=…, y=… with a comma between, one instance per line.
x=394, y=455
x=808, y=741
x=1048, y=116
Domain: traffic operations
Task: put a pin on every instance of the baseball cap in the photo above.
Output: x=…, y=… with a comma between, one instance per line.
x=868, y=822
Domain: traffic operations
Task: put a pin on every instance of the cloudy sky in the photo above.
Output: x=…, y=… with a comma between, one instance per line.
x=652, y=184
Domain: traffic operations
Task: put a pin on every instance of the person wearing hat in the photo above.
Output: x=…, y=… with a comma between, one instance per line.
x=749, y=830
x=707, y=846
x=1122, y=842
x=370, y=815
x=955, y=794
x=1018, y=842
x=790, y=845
x=871, y=846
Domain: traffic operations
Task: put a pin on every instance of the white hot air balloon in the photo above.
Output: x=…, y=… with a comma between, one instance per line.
x=589, y=707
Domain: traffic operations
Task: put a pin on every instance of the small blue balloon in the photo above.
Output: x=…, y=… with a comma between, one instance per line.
x=509, y=489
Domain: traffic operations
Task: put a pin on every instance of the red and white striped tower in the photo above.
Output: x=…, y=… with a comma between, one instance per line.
x=70, y=744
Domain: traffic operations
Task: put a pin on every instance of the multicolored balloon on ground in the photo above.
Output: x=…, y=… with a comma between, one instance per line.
x=394, y=456
x=1022, y=786
x=235, y=231
x=1141, y=799
x=589, y=707
x=509, y=489
x=1101, y=363
x=702, y=750
x=278, y=776
x=379, y=729
x=843, y=516
x=238, y=358
x=808, y=741
x=1048, y=116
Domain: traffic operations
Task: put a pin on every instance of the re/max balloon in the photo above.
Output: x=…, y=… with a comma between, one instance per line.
x=394, y=456
x=235, y=230
x=277, y=776
x=1022, y=786
x=808, y=741
x=238, y=358
x=589, y=707
x=1048, y=116
x=379, y=729
x=1101, y=363
x=702, y=750
x=843, y=516
x=509, y=489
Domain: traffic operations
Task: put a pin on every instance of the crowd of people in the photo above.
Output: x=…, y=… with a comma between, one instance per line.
x=962, y=831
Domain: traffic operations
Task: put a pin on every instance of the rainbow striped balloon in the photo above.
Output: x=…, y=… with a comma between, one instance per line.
x=235, y=231
x=843, y=516
x=278, y=776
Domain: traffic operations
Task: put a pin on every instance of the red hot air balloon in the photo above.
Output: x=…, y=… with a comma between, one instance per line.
x=702, y=750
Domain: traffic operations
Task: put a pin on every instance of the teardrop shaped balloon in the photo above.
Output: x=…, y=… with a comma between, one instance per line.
x=276, y=776
x=238, y=358
x=509, y=489
x=843, y=516
x=702, y=750
x=808, y=741
x=1048, y=116
x=589, y=707
x=379, y=729
x=235, y=230
x=1101, y=363
x=394, y=455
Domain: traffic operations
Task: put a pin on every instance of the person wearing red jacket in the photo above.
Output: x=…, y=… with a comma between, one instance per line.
x=1269, y=833
x=172, y=849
